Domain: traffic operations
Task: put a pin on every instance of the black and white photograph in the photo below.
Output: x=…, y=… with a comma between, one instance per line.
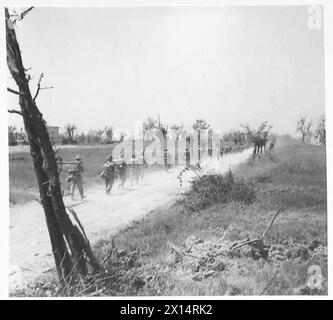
x=165, y=151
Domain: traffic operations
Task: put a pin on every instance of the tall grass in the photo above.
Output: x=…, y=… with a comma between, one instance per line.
x=293, y=176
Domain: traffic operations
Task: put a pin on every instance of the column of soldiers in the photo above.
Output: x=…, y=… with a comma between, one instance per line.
x=111, y=171
x=120, y=170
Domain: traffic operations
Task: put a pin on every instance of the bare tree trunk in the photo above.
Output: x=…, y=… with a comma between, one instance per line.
x=70, y=248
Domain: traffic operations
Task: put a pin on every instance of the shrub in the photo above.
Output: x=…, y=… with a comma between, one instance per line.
x=263, y=178
x=211, y=189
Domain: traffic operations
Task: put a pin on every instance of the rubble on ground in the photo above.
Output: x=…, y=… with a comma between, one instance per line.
x=205, y=258
x=196, y=259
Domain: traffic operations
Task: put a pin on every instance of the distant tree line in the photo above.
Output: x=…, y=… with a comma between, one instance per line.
x=98, y=136
x=152, y=127
x=310, y=134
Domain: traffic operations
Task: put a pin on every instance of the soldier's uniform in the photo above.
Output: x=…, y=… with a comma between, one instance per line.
x=135, y=170
x=143, y=164
x=187, y=157
x=122, y=173
x=166, y=159
x=75, y=177
x=109, y=173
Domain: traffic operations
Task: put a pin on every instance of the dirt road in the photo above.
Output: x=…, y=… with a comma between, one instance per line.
x=100, y=214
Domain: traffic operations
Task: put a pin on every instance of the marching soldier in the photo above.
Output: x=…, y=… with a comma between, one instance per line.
x=109, y=173
x=166, y=159
x=187, y=157
x=135, y=170
x=143, y=165
x=75, y=178
x=122, y=173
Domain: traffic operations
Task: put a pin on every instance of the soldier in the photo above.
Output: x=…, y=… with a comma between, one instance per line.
x=135, y=170
x=187, y=157
x=221, y=151
x=75, y=178
x=165, y=159
x=143, y=164
x=109, y=173
x=122, y=173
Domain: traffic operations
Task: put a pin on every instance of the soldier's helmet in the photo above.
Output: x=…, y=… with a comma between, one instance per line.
x=71, y=171
x=77, y=157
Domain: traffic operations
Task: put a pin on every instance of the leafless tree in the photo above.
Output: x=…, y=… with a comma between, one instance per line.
x=177, y=130
x=70, y=129
x=258, y=137
x=304, y=127
x=148, y=125
x=200, y=124
x=162, y=127
x=70, y=246
x=109, y=133
x=320, y=132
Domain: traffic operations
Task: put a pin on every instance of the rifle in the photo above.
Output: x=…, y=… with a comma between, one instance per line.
x=60, y=163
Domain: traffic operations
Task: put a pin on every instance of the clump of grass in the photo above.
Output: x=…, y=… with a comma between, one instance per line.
x=302, y=164
x=211, y=189
x=263, y=178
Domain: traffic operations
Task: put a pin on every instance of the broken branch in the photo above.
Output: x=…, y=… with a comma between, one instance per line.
x=21, y=16
x=14, y=91
x=38, y=86
x=262, y=236
x=245, y=243
x=15, y=111
x=180, y=252
x=46, y=88
x=269, y=283
x=271, y=223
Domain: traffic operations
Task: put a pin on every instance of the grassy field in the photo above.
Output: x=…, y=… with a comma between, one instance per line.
x=181, y=250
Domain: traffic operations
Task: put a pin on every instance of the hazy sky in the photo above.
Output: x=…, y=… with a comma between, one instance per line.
x=228, y=65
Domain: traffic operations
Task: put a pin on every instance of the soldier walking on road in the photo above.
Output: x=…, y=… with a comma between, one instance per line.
x=122, y=173
x=75, y=178
x=143, y=164
x=109, y=173
x=166, y=159
x=187, y=157
x=135, y=170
